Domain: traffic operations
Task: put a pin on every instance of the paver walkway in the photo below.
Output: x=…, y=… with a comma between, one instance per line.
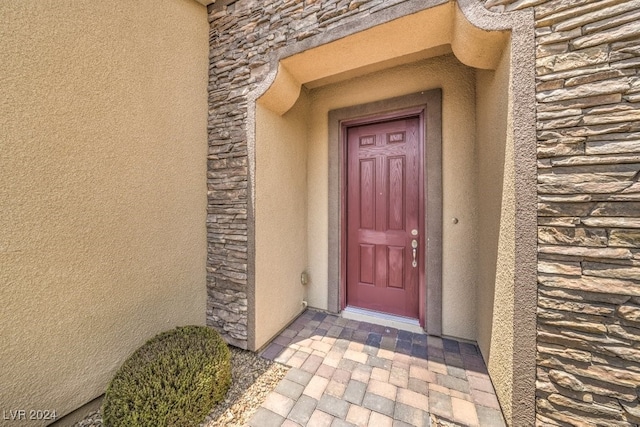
x=349, y=373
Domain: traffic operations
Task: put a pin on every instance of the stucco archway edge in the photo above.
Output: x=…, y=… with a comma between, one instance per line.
x=474, y=35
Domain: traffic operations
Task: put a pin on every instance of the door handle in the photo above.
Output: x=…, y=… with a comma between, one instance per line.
x=414, y=251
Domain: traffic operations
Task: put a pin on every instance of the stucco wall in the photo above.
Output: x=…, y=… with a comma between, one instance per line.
x=459, y=267
x=103, y=203
x=495, y=216
x=281, y=217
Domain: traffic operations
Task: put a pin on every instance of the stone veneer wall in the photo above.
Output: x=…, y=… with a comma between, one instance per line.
x=243, y=36
x=588, y=89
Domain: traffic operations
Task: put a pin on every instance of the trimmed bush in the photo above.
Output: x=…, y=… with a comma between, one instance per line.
x=174, y=379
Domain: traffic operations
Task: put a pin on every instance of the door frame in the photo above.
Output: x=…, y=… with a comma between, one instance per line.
x=415, y=112
x=427, y=105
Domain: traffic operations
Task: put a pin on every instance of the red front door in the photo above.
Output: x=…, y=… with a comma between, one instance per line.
x=384, y=228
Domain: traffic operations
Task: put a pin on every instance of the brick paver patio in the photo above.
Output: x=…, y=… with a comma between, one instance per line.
x=349, y=373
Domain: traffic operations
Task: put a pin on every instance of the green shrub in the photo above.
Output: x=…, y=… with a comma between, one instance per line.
x=174, y=379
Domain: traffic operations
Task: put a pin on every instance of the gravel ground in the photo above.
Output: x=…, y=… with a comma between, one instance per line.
x=252, y=379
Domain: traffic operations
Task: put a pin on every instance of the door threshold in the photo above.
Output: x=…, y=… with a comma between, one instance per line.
x=384, y=319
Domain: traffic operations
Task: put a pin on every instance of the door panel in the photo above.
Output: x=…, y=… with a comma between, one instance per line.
x=367, y=194
x=395, y=193
x=395, y=266
x=367, y=264
x=383, y=207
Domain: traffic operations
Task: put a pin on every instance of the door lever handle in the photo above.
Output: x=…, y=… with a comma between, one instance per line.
x=414, y=251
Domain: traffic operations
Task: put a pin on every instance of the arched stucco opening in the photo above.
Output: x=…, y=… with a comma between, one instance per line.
x=488, y=184
x=429, y=33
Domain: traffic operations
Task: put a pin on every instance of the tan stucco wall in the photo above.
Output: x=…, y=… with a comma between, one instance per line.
x=280, y=217
x=496, y=208
x=459, y=255
x=491, y=134
x=103, y=197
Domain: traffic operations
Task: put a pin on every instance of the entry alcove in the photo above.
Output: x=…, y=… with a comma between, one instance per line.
x=483, y=281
